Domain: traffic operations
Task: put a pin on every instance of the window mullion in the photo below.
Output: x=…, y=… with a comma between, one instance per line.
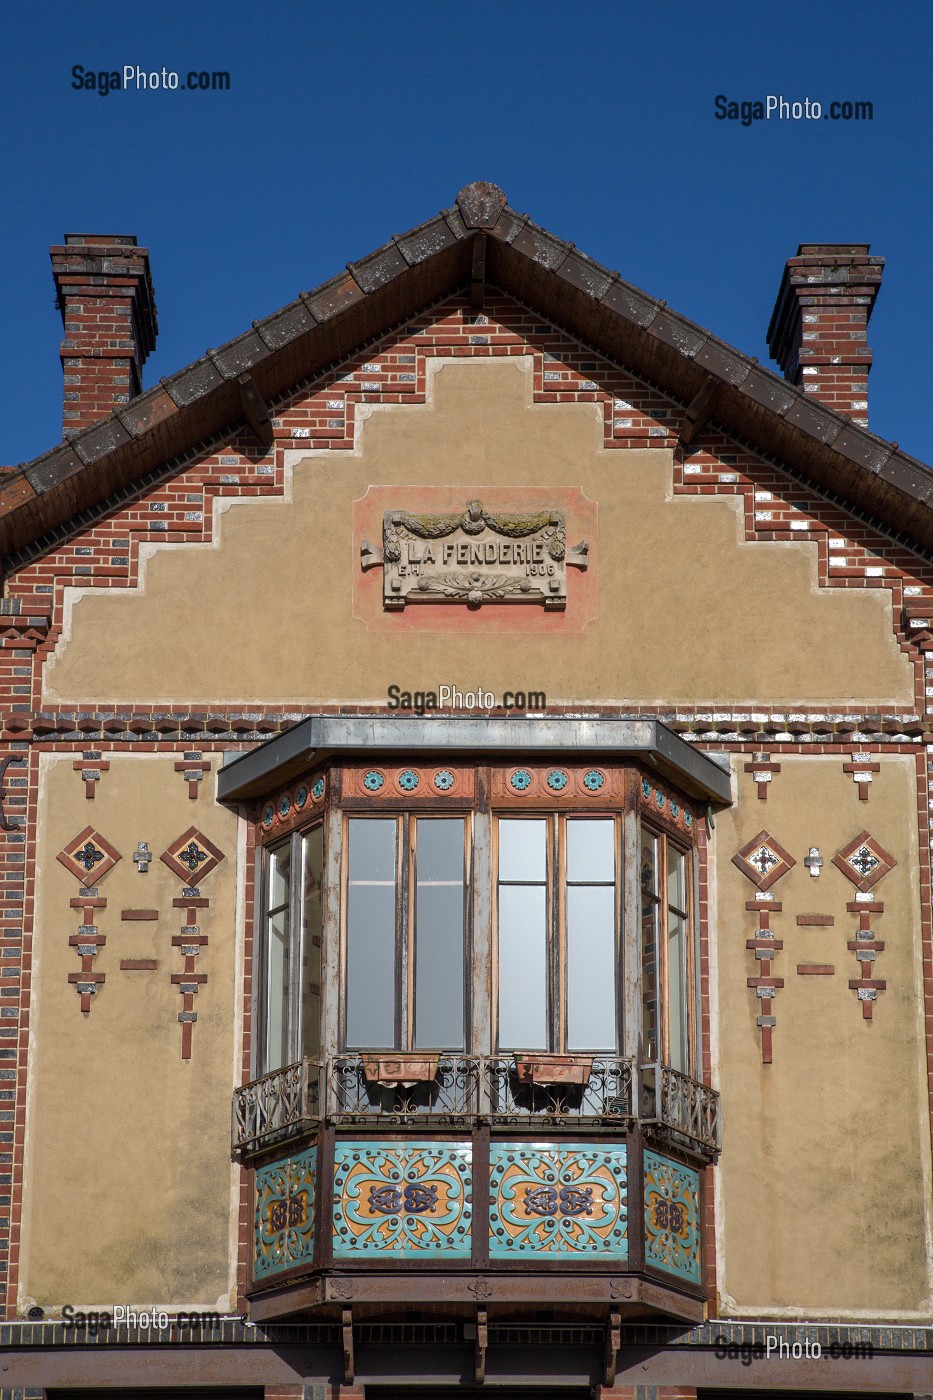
x=333, y=929
x=663, y=955
x=557, y=932
x=257, y=1049
x=296, y=950
x=695, y=1038
x=404, y=932
x=631, y=1008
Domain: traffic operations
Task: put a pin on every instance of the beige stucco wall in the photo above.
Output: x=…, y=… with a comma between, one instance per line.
x=128, y=1182
x=266, y=612
x=824, y=1183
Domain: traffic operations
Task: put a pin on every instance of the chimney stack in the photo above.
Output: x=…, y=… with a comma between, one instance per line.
x=818, y=328
x=105, y=297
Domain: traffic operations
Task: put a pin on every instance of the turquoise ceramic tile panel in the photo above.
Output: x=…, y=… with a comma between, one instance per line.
x=407, y=1200
x=284, y=1214
x=548, y=1199
x=672, y=1217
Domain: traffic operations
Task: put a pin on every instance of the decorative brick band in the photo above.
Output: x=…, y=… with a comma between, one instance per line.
x=143, y=725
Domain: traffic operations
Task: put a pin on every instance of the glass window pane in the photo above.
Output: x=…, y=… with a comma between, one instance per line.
x=522, y=850
x=280, y=865
x=372, y=849
x=371, y=897
x=440, y=849
x=522, y=966
x=276, y=1051
x=591, y=850
x=649, y=863
x=312, y=931
x=677, y=992
x=591, y=967
x=439, y=939
x=676, y=887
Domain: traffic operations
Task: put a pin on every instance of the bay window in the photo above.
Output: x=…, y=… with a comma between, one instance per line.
x=477, y=921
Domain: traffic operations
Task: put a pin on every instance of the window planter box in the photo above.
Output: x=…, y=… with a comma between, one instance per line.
x=392, y=1070
x=553, y=1069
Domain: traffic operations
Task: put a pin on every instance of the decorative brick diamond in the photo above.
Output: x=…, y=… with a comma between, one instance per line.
x=863, y=861
x=763, y=860
x=89, y=857
x=192, y=856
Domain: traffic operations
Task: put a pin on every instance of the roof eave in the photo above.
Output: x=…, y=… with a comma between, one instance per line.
x=298, y=343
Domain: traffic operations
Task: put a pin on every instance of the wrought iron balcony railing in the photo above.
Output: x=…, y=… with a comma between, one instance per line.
x=278, y=1105
x=470, y=1089
x=679, y=1104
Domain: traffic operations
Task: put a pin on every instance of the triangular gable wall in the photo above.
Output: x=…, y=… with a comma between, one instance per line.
x=840, y=593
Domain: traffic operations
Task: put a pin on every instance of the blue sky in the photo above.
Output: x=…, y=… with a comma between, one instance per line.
x=346, y=124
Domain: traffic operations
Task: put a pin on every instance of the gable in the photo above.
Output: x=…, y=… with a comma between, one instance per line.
x=713, y=578
x=479, y=243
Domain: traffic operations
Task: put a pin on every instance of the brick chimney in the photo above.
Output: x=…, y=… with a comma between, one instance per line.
x=818, y=328
x=109, y=314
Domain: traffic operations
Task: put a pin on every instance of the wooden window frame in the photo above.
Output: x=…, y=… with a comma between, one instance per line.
x=556, y=931
x=294, y=842
x=664, y=909
x=403, y=989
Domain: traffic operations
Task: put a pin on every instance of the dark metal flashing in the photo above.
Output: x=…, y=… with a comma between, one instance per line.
x=415, y=270
x=249, y=775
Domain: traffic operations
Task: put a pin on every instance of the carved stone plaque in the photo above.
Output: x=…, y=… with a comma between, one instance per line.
x=476, y=557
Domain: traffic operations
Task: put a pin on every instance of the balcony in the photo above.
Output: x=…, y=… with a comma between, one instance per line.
x=471, y=1090
x=371, y=1178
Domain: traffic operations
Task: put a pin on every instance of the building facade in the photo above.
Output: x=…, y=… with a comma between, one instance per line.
x=465, y=838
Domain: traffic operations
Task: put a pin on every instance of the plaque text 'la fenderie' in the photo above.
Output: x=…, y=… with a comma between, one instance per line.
x=473, y=558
